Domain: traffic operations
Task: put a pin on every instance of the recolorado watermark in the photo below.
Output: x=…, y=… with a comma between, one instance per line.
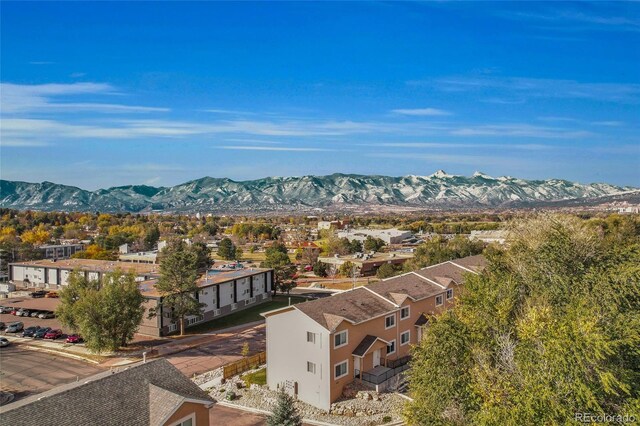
x=604, y=418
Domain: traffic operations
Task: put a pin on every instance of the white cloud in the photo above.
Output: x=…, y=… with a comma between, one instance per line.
x=21, y=98
x=421, y=112
x=521, y=130
x=437, y=145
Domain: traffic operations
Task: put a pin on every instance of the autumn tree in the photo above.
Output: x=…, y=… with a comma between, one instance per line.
x=547, y=330
x=37, y=236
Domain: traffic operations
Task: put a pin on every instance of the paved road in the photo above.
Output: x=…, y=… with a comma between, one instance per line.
x=218, y=350
x=24, y=372
x=219, y=415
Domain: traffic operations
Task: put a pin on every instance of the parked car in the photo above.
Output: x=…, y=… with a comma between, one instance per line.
x=30, y=331
x=74, y=338
x=53, y=334
x=4, y=342
x=46, y=315
x=23, y=312
x=15, y=327
x=51, y=294
x=39, y=334
x=39, y=293
x=2, y=325
x=14, y=311
x=34, y=314
x=5, y=309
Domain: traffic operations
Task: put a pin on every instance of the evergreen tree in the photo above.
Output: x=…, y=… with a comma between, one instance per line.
x=226, y=249
x=177, y=282
x=285, y=413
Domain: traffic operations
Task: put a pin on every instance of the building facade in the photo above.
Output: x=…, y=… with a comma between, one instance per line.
x=316, y=348
x=60, y=251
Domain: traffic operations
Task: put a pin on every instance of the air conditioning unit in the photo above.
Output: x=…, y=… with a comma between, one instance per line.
x=216, y=312
x=234, y=306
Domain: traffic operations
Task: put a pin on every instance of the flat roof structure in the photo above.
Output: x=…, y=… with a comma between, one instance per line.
x=92, y=265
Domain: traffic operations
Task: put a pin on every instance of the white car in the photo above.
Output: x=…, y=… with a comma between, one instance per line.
x=3, y=342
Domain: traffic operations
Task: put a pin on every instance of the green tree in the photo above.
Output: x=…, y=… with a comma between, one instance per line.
x=107, y=314
x=549, y=329
x=285, y=412
x=226, y=249
x=386, y=270
x=177, y=282
x=284, y=270
x=347, y=269
x=373, y=244
x=151, y=237
x=321, y=269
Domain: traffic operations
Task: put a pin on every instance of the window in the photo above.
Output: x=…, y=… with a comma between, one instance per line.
x=439, y=300
x=341, y=369
x=390, y=321
x=189, y=420
x=311, y=337
x=405, y=337
x=450, y=294
x=311, y=367
x=391, y=347
x=340, y=339
x=404, y=313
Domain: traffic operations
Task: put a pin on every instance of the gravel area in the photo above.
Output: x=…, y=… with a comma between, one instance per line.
x=365, y=407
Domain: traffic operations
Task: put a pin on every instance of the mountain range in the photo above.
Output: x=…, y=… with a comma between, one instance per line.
x=332, y=193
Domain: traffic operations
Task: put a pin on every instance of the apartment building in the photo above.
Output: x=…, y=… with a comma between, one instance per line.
x=316, y=348
x=54, y=273
x=389, y=236
x=221, y=293
x=60, y=251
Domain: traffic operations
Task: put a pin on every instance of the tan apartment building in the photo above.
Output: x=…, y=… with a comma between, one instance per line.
x=316, y=348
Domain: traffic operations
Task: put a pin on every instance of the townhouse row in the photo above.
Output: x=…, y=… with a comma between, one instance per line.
x=316, y=348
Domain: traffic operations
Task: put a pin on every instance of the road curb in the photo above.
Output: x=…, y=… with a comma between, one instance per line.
x=55, y=352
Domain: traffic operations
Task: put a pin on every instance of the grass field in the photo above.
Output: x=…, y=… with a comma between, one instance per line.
x=244, y=316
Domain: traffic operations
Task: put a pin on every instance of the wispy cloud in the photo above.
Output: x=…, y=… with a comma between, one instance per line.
x=273, y=148
x=228, y=111
x=470, y=160
x=439, y=145
x=513, y=89
x=521, y=130
x=22, y=98
x=41, y=63
x=574, y=19
x=421, y=112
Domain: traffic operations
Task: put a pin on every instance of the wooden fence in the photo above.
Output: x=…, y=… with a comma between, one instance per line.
x=243, y=365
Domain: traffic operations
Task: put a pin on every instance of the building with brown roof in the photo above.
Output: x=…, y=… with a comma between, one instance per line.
x=316, y=348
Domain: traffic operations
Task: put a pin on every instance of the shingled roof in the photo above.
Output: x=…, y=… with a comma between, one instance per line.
x=354, y=306
x=142, y=394
x=383, y=297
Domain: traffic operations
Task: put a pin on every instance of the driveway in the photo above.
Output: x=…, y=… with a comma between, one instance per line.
x=24, y=372
x=216, y=350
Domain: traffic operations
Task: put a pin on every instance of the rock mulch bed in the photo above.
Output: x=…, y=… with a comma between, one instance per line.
x=364, y=407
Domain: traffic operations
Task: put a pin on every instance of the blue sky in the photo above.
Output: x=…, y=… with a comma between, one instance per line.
x=105, y=94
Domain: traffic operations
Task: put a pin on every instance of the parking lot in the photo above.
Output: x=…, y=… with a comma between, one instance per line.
x=40, y=304
x=25, y=372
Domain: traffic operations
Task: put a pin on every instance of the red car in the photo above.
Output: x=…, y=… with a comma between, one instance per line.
x=53, y=334
x=74, y=338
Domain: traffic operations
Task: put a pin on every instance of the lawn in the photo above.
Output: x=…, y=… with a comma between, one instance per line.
x=244, y=316
x=257, y=377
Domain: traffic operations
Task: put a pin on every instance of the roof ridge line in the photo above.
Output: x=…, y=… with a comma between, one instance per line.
x=380, y=296
x=429, y=279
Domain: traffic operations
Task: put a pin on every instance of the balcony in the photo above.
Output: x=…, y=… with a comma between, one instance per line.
x=382, y=373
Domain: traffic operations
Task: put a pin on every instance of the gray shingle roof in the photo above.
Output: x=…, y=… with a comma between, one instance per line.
x=365, y=344
x=127, y=396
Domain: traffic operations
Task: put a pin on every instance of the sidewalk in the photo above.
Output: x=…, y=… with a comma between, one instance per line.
x=59, y=348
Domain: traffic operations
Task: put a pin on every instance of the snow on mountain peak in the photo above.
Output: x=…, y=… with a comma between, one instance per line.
x=440, y=174
x=482, y=175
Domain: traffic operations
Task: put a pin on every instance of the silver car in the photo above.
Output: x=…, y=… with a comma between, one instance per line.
x=14, y=327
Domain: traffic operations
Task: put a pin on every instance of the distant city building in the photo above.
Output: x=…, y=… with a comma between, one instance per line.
x=316, y=348
x=389, y=236
x=140, y=257
x=333, y=224
x=366, y=263
x=152, y=393
x=60, y=251
x=495, y=236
